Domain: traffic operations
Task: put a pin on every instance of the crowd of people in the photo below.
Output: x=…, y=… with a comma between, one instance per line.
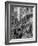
x=22, y=28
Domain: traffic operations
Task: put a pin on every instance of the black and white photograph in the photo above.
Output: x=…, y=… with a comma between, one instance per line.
x=20, y=22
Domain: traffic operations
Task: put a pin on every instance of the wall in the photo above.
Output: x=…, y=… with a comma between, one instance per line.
x=2, y=23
